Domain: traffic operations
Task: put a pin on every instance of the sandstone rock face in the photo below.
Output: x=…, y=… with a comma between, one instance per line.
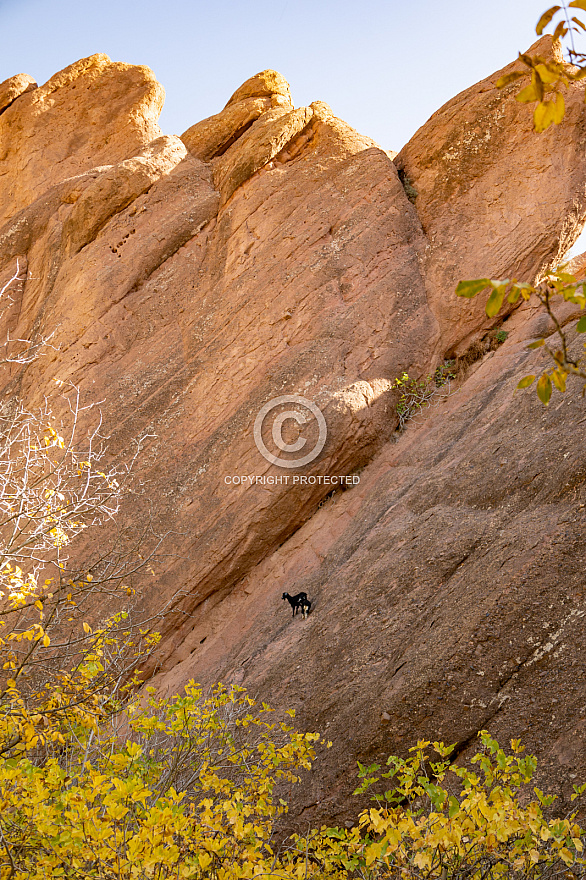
x=92, y=113
x=211, y=137
x=152, y=286
x=265, y=140
x=266, y=84
x=447, y=591
x=13, y=88
x=274, y=251
x=476, y=192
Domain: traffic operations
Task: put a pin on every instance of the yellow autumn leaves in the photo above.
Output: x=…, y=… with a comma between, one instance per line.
x=190, y=792
x=443, y=821
x=548, y=76
x=193, y=787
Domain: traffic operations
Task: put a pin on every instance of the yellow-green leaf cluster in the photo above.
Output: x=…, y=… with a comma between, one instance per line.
x=548, y=77
x=439, y=820
x=556, y=284
x=183, y=787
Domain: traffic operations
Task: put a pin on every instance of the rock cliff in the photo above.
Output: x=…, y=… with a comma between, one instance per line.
x=268, y=251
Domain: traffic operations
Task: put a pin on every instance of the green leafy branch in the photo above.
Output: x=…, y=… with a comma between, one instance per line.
x=548, y=76
x=558, y=283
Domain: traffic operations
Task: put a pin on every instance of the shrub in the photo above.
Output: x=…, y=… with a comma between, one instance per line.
x=185, y=787
x=415, y=395
x=439, y=820
x=51, y=663
x=191, y=787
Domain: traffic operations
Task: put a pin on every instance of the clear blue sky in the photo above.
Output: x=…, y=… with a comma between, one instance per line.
x=383, y=65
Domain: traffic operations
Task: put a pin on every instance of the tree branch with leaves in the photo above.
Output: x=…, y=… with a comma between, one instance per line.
x=548, y=79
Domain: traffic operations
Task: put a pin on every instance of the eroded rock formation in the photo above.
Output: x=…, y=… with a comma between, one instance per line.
x=274, y=251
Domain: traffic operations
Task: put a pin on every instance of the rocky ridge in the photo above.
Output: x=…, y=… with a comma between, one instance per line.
x=272, y=251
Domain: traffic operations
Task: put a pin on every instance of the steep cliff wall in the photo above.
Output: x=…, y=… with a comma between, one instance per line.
x=272, y=251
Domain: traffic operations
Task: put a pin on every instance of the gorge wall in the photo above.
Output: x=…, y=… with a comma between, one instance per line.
x=187, y=281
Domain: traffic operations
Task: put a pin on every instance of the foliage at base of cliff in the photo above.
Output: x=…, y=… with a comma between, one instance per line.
x=193, y=787
x=185, y=787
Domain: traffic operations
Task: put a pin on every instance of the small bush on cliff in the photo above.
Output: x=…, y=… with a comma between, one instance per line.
x=416, y=395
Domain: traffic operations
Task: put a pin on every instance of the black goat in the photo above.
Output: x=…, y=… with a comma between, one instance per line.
x=298, y=602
